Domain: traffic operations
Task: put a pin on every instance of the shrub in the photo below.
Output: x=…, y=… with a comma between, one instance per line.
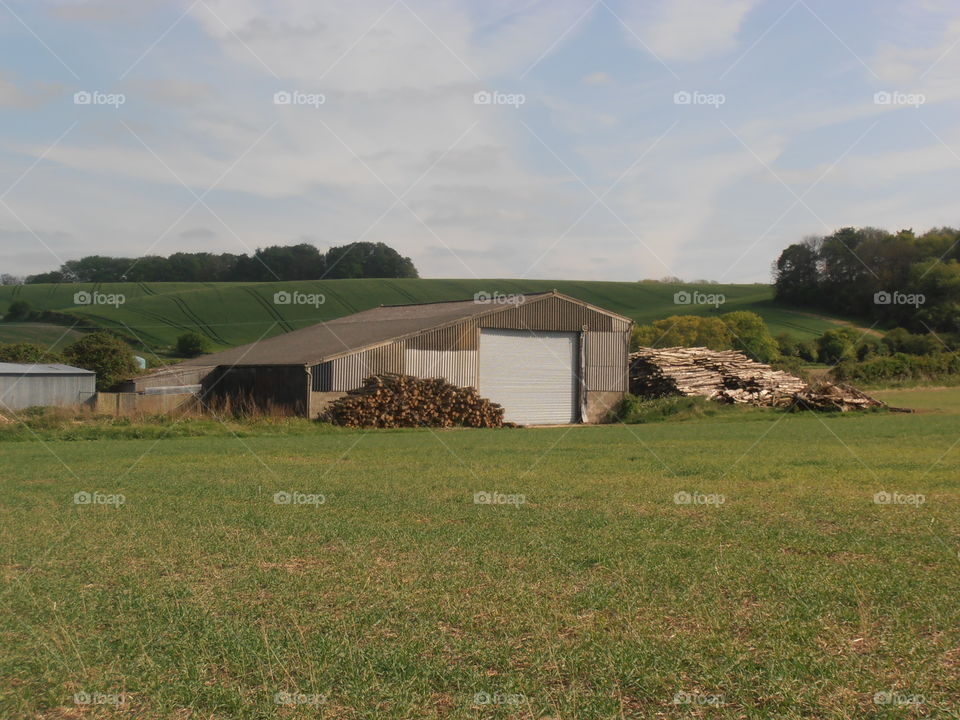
x=899, y=367
x=787, y=344
x=750, y=335
x=807, y=350
x=192, y=344
x=109, y=357
x=837, y=345
x=26, y=352
x=18, y=310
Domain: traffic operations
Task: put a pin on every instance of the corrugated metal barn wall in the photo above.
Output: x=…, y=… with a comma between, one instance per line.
x=35, y=390
x=606, y=361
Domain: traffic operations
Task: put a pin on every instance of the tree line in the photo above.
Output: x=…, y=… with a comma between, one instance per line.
x=901, y=279
x=293, y=262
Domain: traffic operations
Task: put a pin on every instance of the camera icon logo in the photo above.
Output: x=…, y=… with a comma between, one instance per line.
x=282, y=98
x=482, y=498
x=882, y=97
x=882, y=297
x=82, y=298
x=882, y=498
x=682, y=297
x=282, y=298
x=482, y=97
x=682, y=97
x=282, y=498
x=82, y=98
x=682, y=498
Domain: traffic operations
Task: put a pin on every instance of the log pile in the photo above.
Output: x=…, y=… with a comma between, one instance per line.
x=729, y=376
x=827, y=396
x=393, y=401
x=723, y=375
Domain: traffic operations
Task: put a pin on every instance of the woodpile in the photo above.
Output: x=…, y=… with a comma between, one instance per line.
x=723, y=375
x=729, y=376
x=827, y=396
x=393, y=401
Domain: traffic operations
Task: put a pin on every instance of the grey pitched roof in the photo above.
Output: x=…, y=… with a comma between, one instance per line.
x=351, y=332
x=41, y=369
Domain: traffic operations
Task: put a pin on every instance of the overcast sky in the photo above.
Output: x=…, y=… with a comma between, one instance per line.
x=622, y=139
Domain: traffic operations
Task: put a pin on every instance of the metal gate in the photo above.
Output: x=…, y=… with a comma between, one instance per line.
x=533, y=375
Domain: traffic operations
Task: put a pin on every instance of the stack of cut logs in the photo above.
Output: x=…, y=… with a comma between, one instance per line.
x=729, y=376
x=392, y=401
x=827, y=396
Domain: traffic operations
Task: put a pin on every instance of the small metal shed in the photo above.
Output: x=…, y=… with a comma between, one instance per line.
x=24, y=385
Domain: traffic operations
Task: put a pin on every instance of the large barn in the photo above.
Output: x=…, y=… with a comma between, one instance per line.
x=546, y=358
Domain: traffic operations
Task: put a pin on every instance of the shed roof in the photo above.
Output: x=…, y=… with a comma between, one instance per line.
x=41, y=369
x=358, y=331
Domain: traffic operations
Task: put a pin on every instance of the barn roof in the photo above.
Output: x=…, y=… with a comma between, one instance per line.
x=41, y=369
x=358, y=331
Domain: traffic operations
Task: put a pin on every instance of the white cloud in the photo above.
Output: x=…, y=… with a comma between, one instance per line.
x=688, y=30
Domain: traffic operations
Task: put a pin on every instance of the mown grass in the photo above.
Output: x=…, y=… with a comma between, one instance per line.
x=399, y=597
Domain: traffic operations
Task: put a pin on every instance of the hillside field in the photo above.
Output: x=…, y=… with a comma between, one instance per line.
x=599, y=597
x=232, y=314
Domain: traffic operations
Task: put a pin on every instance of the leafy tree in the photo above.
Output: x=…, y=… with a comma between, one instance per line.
x=192, y=344
x=26, y=352
x=108, y=356
x=366, y=259
x=786, y=344
x=795, y=277
x=807, y=350
x=838, y=344
x=750, y=335
x=683, y=331
x=18, y=310
x=294, y=262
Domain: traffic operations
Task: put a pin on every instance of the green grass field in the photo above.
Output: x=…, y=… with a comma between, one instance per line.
x=231, y=314
x=600, y=596
x=55, y=337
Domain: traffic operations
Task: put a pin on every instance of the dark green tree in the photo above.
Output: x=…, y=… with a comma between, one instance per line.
x=108, y=356
x=192, y=344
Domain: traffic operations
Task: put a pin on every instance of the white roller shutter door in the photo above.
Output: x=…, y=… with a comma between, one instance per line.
x=533, y=375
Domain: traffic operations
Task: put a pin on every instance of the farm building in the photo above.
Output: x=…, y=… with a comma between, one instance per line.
x=546, y=358
x=27, y=385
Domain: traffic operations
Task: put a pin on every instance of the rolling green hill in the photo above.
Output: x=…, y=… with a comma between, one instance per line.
x=231, y=314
